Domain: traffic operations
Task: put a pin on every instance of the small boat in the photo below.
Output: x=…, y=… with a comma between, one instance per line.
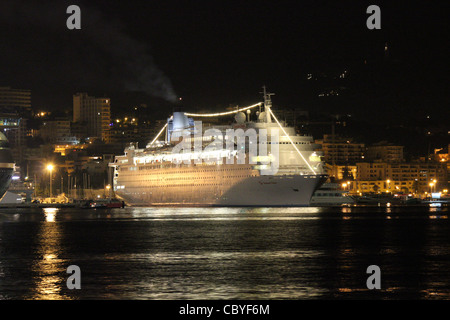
x=115, y=203
x=103, y=204
x=329, y=194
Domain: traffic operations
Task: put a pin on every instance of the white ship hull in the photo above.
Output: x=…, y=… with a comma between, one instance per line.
x=281, y=190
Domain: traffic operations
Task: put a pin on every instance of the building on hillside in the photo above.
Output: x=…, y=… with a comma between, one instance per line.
x=57, y=132
x=384, y=151
x=94, y=115
x=339, y=150
x=14, y=100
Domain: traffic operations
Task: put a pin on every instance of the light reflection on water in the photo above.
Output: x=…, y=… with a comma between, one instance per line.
x=49, y=267
x=50, y=214
x=224, y=253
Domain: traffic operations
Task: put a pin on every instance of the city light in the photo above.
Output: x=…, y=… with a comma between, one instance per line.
x=50, y=168
x=431, y=184
x=222, y=113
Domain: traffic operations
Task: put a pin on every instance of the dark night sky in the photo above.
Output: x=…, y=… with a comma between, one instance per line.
x=216, y=53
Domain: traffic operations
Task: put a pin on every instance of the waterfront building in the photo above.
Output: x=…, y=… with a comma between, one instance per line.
x=419, y=176
x=383, y=186
x=341, y=172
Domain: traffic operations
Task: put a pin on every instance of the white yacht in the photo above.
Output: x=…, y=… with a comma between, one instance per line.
x=330, y=194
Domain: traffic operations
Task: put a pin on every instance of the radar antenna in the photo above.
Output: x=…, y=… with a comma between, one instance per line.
x=267, y=104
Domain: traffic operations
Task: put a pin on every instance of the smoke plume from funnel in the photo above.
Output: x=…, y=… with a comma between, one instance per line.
x=100, y=55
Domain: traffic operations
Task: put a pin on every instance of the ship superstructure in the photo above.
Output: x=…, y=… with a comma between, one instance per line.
x=247, y=163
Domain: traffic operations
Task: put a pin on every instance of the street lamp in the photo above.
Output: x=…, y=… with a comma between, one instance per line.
x=50, y=168
x=108, y=188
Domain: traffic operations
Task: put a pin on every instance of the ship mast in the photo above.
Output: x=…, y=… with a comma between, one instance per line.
x=267, y=104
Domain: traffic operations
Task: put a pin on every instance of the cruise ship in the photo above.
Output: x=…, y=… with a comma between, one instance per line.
x=6, y=165
x=259, y=162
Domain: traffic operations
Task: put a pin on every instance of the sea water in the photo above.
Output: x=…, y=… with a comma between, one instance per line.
x=225, y=253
